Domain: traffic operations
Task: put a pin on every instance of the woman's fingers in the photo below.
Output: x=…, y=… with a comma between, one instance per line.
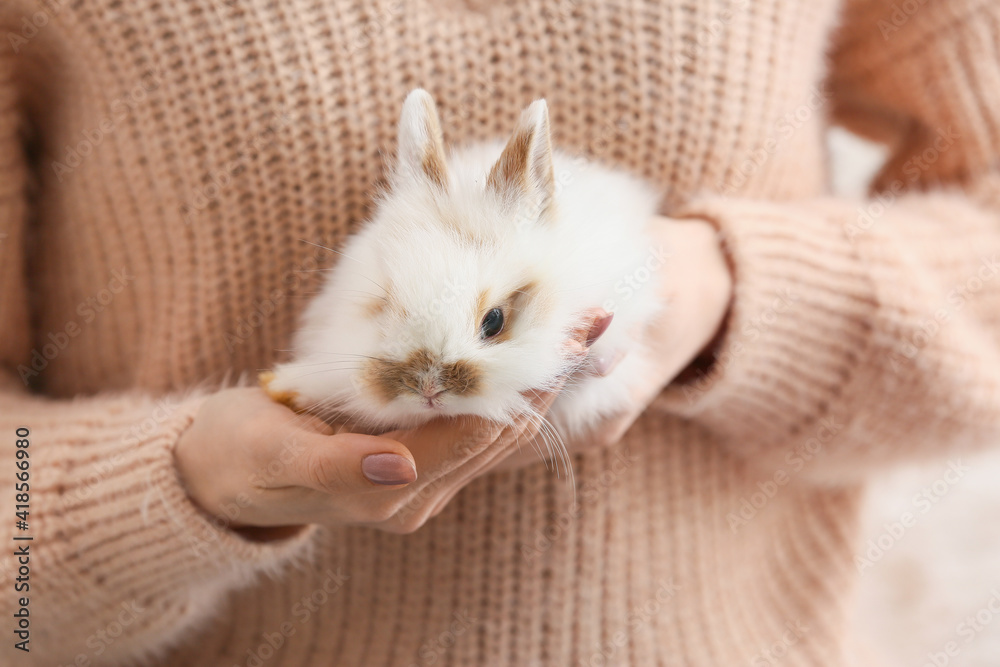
x=526, y=426
x=602, y=365
x=443, y=444
x=294, y=471
x=521, y=433
x=350, y=463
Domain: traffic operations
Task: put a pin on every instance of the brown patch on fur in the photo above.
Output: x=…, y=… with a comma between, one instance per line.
x=450, y=220
x=377, y=306
x=389, y=379
x=374, y=305
x=483, y=304
x=511, y=170
x=461, y=377
x=286, y=398
x=433, y=162
x=520, y=297
x=434, y=167
x=515, y=303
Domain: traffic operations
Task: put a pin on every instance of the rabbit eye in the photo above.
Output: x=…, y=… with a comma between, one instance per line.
x=492, y=323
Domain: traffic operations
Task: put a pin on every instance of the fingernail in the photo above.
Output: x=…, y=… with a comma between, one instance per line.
x=605, y=364
x=600, y=326
x=388, y=469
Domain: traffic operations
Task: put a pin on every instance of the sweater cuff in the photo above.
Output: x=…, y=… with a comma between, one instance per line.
x=132, y=529
x=211, y=544
x=799, y=322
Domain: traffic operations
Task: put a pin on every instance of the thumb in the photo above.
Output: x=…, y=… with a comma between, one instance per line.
x=352, y=463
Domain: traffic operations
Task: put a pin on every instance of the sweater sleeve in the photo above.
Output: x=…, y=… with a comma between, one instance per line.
x=866, y=332
x=120, y=561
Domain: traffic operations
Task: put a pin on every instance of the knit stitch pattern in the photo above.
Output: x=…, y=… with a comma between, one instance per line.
x=161, y=164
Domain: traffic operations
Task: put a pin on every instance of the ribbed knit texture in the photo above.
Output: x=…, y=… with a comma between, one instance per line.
x=161, y=164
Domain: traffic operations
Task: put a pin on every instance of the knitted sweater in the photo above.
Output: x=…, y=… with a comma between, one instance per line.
x=161, y=162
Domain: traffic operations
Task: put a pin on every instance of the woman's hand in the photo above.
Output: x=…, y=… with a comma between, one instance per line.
x=696, y=287
x=280, y=470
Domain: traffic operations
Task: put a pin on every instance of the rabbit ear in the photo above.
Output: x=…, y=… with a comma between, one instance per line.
x=420, y=152
x=524, y=175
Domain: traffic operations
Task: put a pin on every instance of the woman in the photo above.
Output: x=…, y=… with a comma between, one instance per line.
x=162, y=163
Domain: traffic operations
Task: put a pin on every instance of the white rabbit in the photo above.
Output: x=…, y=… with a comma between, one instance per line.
x=456, y=296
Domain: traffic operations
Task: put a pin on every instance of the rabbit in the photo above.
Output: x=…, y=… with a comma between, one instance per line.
x=454, y=298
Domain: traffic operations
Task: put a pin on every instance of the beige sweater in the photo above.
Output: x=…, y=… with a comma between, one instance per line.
x=160, y=162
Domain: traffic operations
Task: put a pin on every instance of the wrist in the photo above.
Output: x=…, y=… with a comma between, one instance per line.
x=696, y=287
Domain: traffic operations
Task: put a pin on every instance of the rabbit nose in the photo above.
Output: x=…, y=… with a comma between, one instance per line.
x=432, y=392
